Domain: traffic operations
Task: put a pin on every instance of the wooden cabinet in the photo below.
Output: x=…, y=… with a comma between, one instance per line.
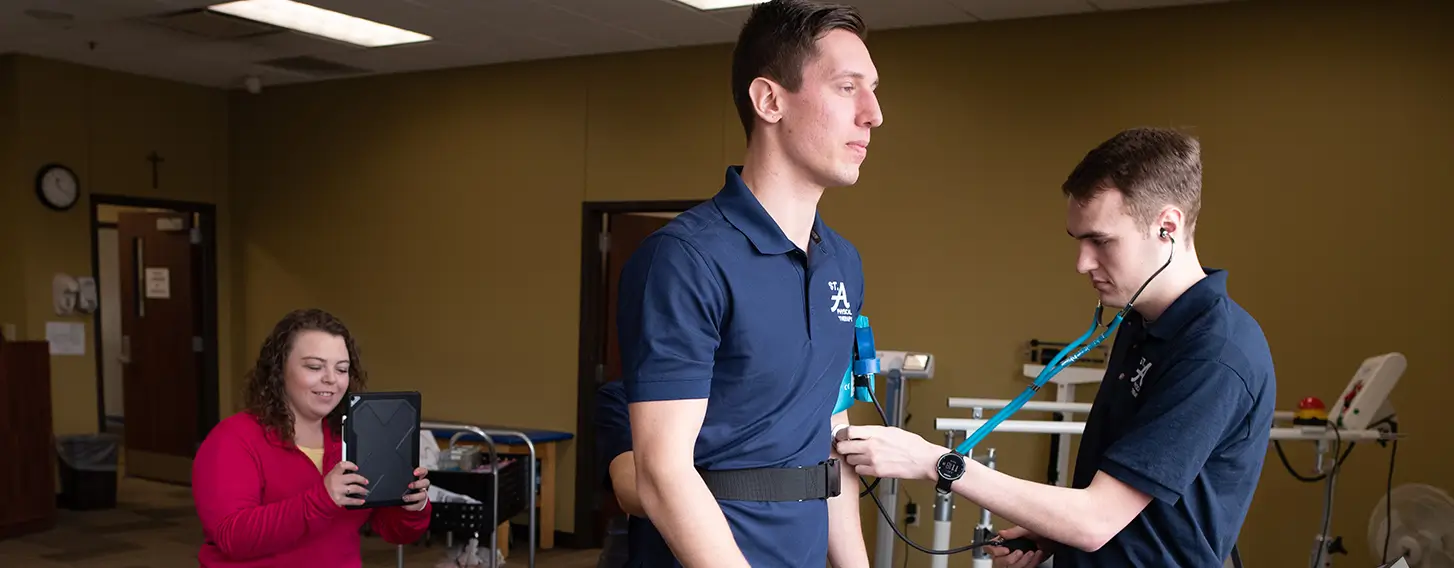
x=27, y=443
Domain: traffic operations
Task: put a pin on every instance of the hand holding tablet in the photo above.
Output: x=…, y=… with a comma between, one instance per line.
x=346, y=487
x=418, y=493
x=381, y=436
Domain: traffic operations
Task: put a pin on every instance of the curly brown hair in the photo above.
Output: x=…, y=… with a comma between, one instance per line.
x=266, y=397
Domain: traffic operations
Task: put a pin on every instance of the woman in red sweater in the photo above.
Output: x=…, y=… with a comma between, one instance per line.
x=269, y=482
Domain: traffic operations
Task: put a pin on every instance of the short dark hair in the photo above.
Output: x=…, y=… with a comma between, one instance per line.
x=778, y=40
x=1151, y=167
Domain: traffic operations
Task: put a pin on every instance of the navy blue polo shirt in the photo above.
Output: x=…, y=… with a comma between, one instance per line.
x=613, y=429
x=720, y=304
x=1183, y=414
x=613, y=426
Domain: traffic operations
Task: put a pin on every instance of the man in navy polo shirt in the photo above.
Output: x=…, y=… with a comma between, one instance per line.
x=1175, y=440
x=613, y=448
x=736, y=319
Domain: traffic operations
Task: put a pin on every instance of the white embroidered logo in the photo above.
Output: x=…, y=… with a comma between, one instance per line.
x=840, y=298
x=1140, y=377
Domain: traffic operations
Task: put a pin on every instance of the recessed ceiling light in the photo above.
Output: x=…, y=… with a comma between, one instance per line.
x=720, y=4
x=320, y=22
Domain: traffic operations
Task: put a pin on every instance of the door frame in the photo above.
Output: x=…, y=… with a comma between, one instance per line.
x=592, y=343
x=208, y=406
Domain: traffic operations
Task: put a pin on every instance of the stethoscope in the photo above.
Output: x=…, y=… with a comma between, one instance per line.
x=1061, y=361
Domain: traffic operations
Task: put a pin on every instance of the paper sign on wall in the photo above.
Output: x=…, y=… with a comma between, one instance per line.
x=66, y=338
x=158, y=283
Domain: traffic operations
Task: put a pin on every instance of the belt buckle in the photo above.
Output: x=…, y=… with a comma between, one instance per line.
x=835, y=477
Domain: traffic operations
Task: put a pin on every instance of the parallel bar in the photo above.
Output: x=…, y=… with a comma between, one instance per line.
x=1072, y=375
x=1047, y=406
x=1033, y=405
x=1076, y=428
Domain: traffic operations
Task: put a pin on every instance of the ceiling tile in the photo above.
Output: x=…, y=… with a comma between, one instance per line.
x=546, y=23
x=467, y=32
x=890, y=14
x=665, y=21
x=1137, y=4
x=1007, y=9
x=734, y=18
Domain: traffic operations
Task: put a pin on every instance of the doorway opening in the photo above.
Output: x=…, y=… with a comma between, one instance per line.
x=610, y=232
x=155, y=264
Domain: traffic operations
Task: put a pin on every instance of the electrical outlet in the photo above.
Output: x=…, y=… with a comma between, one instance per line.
x=911, y=514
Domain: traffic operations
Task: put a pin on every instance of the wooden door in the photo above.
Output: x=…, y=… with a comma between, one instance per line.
x=626, y=231
x=160, y=343
x=27, y=504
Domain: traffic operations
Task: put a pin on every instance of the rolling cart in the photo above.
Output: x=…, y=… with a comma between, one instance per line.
x=466, y=516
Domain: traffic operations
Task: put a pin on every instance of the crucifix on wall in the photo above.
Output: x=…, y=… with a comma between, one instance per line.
x=156, y=160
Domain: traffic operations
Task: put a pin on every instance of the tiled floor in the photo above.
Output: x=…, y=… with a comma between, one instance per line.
x=155, y=526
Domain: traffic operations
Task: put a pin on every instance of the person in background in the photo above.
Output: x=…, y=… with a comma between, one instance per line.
x=269, y=482
x=613, y=447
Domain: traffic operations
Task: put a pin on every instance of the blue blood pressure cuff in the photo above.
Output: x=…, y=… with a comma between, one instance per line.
x=845, y=392
x=865, y=365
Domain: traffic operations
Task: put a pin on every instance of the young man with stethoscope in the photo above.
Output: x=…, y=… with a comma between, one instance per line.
x=1177, y=434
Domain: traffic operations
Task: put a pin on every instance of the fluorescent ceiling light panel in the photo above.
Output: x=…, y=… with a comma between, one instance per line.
x=320, y=22
x=720, y=4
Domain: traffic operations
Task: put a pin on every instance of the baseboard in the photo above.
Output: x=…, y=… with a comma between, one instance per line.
x=153, y=466
x=520, y=535
x=566, y=540
x=24, y=528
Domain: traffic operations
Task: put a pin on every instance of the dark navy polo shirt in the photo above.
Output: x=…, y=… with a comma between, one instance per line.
x=613, y=429
x=1184, y=414
x=613, y=426
x=720, y=304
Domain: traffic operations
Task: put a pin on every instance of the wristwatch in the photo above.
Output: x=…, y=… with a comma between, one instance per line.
x=950, y=469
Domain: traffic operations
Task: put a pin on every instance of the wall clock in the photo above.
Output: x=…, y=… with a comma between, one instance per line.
x=58, y=187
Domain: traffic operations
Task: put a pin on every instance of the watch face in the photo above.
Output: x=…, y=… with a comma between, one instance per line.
x=951, y=466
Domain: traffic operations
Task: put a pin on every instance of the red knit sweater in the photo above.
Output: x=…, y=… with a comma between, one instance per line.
x=263, y=503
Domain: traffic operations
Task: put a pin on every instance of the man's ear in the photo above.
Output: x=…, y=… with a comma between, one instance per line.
x=766, y=99
x=1172, y=221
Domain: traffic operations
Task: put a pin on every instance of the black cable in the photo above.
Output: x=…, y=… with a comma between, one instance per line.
x=890, y=518
x=892, y=525
x=860, y=382
x=1277, y=444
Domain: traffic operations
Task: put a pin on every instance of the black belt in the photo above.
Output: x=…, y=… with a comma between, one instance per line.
x=806, y=483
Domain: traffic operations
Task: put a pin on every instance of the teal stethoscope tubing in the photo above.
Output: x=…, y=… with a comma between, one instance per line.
x=1060, y=362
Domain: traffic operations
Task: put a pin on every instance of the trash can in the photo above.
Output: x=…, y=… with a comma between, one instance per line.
x=87, y=471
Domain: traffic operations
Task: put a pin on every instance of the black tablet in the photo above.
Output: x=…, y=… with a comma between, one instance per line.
x=381, y=437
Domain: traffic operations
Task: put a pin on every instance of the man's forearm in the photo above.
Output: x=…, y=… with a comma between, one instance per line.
x=846, y=548
x=845, y=528
x=1061, y=514
x=682, y=508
